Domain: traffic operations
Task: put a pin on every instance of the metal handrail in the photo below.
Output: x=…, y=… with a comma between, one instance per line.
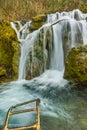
x=10, y=112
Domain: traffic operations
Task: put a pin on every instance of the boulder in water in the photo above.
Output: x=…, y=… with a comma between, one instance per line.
x=76, y=65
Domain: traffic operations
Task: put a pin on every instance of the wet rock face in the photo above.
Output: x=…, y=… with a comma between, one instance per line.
x=76, y=65
x=8, y=51
x=39, y=56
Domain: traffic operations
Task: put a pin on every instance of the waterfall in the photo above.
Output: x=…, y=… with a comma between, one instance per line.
x=26, y=42
x=69, y=29
x=26, y=46
x=57, y=60
x=84, y=30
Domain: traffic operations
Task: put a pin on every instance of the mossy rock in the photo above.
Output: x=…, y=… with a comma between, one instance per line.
x=37, y=22
x=39, y=18
x=76, y=65
x=8, y=49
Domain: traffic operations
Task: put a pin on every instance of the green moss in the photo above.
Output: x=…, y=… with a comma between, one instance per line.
x=76, y=65
x=39, y=18
x=35, y=25
x=8, y=43
x=37, y=22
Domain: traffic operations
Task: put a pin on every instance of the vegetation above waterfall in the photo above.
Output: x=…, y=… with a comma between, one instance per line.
x=76, y=65
x=26, y=9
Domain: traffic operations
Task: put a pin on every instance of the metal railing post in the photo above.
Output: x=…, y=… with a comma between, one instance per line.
x=10, y=112
x=38, y=114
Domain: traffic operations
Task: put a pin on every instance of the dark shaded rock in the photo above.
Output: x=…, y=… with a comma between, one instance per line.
x=2, y=72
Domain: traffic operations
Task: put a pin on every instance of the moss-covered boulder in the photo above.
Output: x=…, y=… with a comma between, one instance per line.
x=37, y=22
x=76, y=65
x=8, y=51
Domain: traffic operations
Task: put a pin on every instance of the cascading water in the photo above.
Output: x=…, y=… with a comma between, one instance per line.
x=27, y=41
x=61, y=107
x=75, y=24
x=57, y=61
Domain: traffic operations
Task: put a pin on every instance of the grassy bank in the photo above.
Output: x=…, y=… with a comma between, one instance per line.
x=26, y=9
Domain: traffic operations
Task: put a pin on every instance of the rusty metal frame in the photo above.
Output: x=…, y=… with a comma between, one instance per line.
x=10, y=112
